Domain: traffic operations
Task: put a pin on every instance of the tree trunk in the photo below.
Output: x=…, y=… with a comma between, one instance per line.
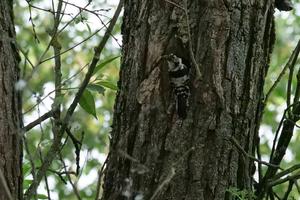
x=153, y=152
x=10, y=107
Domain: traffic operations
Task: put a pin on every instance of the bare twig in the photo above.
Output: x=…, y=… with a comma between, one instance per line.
x=286, y=172
x=97, y=15
x=24, y=54
x=41, y=100
x=276, y=135
x=69, y=178
x=46, y=9
x=69, y=22
x=288, y=64
x=291, y=63
x=297, y=186
x=244, y=153
x=60, y=174
x=31, y=159
x=100, y=174
x=57, y=32
x=46, y=179
x=38, y=121
x=287, y=193
x=283, y=180
x=76, y=45
x=32, y=23
x=77, y=144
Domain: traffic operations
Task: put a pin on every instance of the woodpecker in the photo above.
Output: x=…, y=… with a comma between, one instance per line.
x=179, y=79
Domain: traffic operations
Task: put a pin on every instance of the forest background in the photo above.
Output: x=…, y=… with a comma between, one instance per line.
x=84, y=24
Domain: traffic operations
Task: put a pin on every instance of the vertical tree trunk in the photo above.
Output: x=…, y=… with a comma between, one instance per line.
x=152, y=151
x=10, y=107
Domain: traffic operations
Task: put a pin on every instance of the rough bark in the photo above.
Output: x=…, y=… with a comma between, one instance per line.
x=10, y=120
x=231, y=41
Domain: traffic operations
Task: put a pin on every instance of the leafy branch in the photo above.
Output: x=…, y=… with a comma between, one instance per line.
x=56, y=145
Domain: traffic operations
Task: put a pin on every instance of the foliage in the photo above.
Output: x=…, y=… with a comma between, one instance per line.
x=85, y=26
x=241, y=194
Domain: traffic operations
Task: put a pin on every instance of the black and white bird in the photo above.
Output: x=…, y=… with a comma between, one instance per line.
x=179, y=79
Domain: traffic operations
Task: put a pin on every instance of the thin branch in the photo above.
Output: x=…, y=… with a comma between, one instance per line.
x=76, y=192
x=97, y=15
x=287, y=193
x=60, y=174
x=288, y=64
x=286, y=172
x=32, y=23
x=38, y=121
x=100, y=174
x=292, y=63
x=57, y=32
x=31, y=159
x=277, y=134
x=41, y=100
x=297, y=92
x=74, y=75
x=280, y=181
x=276, y=195
x=297, y=186
x=76, y=45
x=69, y=22
x=24, y=54
x=77, y=144
x=46, y=179
x=244, y=153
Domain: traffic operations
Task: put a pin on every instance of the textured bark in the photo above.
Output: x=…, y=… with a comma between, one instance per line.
x=232, y=40
x=10, y=121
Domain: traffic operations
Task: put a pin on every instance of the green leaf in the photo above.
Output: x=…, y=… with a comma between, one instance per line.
x=26, y=169
x=27, y=183
x=42, y=196
x=87, y=102
x=103, y=64
x=96, y=88
x=108, y=84
x=77, y=20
